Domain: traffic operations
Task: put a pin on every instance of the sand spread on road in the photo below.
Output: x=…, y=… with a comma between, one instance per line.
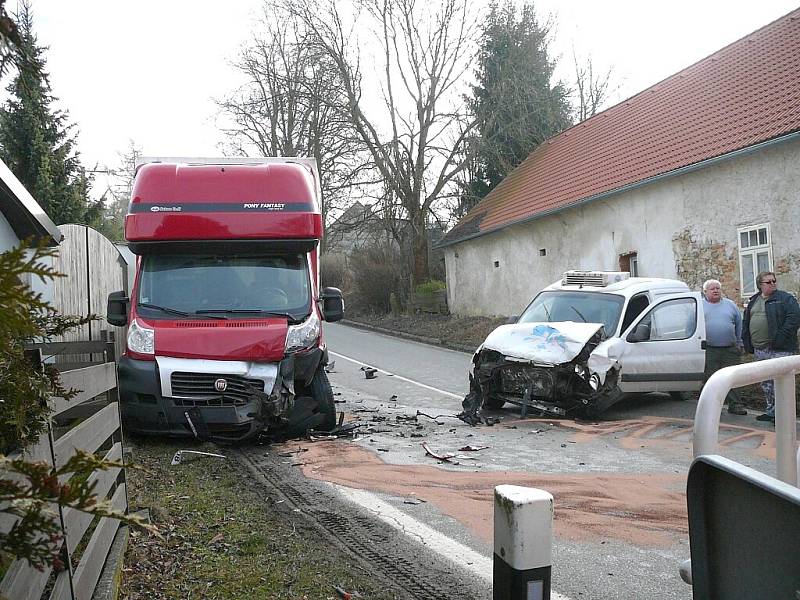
x=642, y=509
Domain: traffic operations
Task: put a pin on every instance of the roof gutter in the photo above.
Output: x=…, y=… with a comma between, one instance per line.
x=25, y=211
x=632, y=186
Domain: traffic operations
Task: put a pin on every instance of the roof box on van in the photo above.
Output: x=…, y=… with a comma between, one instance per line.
x=594, y=278
x=251, y=205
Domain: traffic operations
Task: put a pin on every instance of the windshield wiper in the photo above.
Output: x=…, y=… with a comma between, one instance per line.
x=166, y=309
x=172, y=311
x=579, y=313
x=251, y=311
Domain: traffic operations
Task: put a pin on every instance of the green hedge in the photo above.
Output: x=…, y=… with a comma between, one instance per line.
x=430, y=287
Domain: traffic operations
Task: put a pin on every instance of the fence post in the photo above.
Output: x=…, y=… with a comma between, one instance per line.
x=35, y=356
x=523, y=543
x=113, y=396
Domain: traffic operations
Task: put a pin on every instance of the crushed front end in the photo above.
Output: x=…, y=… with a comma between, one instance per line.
x=223, y=401
x=542, y=388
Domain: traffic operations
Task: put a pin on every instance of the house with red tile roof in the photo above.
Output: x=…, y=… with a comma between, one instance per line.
x=696, y=177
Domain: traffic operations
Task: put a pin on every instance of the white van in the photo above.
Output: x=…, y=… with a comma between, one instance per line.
x=588, y=339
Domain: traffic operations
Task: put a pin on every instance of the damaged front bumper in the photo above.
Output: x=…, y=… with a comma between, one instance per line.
x=181, y=397
x=545, y=389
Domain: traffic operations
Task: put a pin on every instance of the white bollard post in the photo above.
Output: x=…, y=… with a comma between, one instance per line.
x=523, y=543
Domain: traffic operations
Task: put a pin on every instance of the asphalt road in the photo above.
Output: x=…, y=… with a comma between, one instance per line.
x=619, y=484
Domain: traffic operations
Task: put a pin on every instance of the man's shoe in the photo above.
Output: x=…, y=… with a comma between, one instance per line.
x=735, y=409
x=766, y=417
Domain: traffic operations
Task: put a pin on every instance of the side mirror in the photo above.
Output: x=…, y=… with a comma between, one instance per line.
x=641, y=333
x=332, y=304
x=117, y=309
x=512, y=319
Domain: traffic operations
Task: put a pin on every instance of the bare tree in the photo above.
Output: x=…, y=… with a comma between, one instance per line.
x=412, y=120
x=118, y=194
x=591, y=90
x=293, y=104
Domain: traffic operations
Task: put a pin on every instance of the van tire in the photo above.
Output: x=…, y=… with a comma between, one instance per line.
x=321, y=391
x=493, y=403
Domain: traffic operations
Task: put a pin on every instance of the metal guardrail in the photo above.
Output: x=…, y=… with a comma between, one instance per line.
x=706, y=420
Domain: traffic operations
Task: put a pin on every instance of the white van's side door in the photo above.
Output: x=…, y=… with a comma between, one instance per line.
x=663, y=350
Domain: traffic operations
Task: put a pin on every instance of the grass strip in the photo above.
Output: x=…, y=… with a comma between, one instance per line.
x=225, y=537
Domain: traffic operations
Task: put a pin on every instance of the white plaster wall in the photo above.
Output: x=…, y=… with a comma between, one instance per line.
x=762, y=186
x=8, y=239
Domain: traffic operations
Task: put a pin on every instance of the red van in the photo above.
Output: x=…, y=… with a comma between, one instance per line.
x=225, y=318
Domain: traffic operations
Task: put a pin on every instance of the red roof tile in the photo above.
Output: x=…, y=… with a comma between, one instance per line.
x=744, y=94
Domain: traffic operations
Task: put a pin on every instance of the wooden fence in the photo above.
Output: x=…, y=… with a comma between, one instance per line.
x=94, y=268
x=90, y=421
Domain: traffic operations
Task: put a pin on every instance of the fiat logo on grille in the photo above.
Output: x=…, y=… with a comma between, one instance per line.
x=220, y=385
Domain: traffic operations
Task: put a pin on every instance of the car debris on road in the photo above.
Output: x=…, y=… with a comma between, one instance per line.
x=442, y=457
x=369, y=372
x=181, y=456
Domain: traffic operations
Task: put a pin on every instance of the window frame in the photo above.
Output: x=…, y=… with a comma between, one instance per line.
x=750, y=253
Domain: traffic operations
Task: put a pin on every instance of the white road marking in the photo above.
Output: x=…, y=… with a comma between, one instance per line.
x=422, y=385
x=480, y=565
x=456, y=552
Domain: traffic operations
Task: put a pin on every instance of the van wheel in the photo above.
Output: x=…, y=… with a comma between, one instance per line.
x=321, y=391
x=680, y=396
x=493, y=403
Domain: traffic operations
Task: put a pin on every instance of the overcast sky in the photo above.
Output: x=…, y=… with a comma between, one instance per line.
x=147, y=70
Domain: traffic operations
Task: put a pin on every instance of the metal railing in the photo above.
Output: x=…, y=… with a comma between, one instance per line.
x=782, y=371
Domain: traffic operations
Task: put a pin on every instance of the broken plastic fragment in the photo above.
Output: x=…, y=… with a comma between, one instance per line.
x=443, y=457
x=369, y=372
x=182, y=455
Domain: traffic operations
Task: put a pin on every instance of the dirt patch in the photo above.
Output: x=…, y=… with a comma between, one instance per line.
x=646, y=510
x=649, y=432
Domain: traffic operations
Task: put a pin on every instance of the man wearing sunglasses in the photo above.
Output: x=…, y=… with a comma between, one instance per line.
x=769, y=329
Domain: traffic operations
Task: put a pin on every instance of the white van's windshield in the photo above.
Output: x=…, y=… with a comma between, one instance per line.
x=583, y=307
x=231, y=286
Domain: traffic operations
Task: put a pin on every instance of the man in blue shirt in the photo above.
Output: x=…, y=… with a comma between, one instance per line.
x=723, y=337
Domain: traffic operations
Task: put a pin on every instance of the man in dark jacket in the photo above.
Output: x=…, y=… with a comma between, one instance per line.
x=769, y=329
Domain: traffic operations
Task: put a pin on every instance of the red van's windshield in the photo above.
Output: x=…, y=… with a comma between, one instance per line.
x=233, y=286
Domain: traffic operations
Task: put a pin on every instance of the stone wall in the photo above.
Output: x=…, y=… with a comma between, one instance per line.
x=696, y=261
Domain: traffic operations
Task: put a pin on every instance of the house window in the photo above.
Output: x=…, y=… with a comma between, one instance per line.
x=755, y=255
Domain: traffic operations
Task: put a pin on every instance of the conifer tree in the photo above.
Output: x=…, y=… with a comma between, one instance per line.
x=515, y=101
x=36, y=140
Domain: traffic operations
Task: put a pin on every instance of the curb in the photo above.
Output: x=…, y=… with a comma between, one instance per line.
x=109, y=583
x=410, y=336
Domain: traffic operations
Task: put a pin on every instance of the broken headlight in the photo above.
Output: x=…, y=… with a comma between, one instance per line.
x=303, y=335
x=516, y=379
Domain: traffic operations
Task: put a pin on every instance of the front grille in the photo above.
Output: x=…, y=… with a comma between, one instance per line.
x=197, y=389
x=515, y=379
